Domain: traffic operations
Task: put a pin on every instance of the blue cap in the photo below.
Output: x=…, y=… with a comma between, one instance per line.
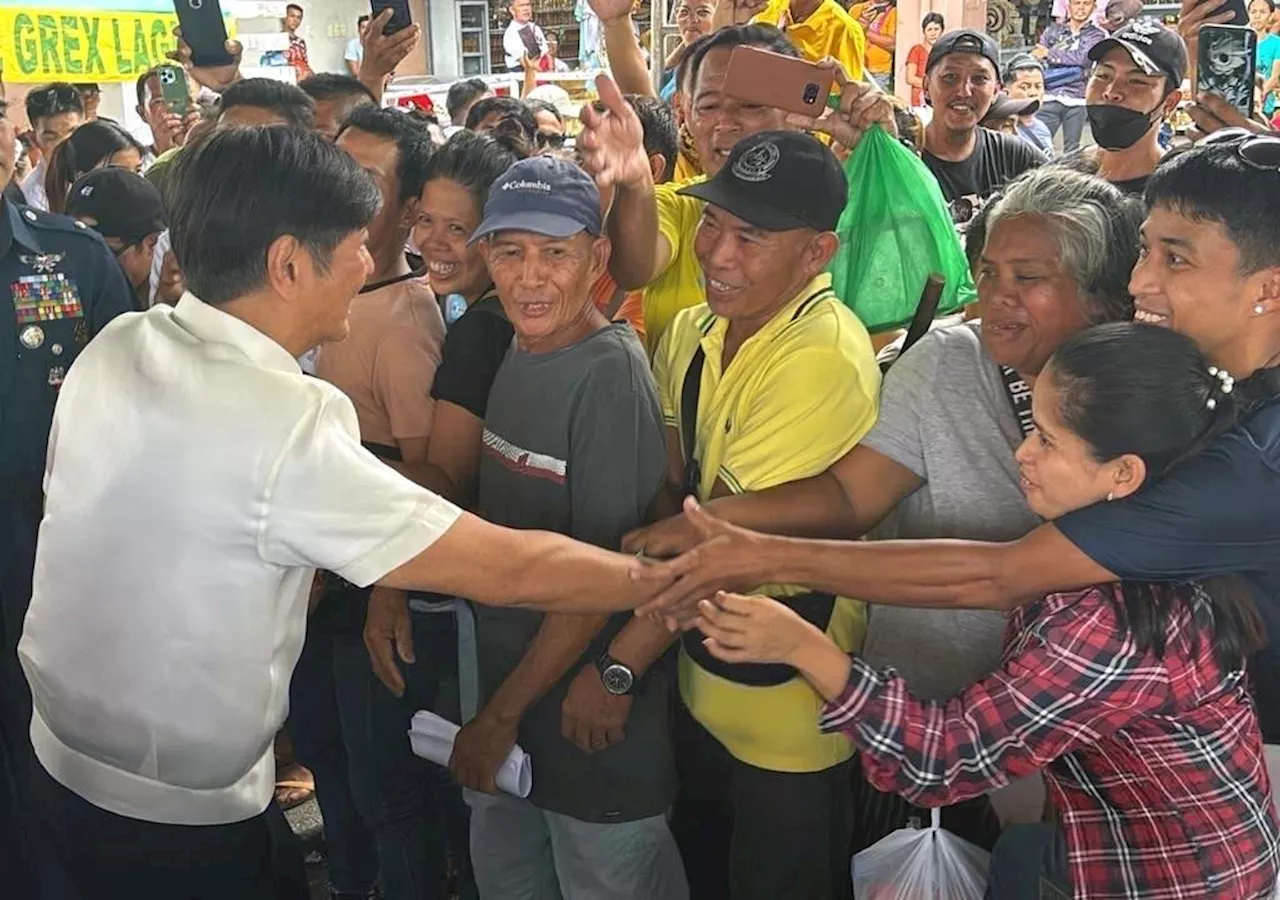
x=544, y=195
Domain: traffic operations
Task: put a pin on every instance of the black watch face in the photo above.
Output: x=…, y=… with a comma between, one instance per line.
x=617, y=679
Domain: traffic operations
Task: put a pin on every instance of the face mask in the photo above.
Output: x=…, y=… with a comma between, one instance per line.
x=1117, y=128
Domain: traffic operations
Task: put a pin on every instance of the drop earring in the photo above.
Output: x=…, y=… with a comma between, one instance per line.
x=1111, y=495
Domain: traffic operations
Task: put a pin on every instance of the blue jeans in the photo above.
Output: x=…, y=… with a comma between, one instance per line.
x=1071, y=119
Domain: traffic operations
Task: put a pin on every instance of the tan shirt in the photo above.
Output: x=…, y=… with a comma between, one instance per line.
x=388, y=361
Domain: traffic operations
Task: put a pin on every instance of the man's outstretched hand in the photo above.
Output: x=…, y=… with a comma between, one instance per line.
x=726, y=558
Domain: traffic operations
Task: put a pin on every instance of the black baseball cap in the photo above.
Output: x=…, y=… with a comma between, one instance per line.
x=122, y=203
x=544, y=195
x=1155, y=48
x=1005, y=106
x=778, y=181
x=1020, y=62
x=965, y=40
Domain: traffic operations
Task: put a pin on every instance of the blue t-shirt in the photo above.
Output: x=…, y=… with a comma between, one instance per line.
x=1037, y=135
x=1216, y=514
x=1268, y=53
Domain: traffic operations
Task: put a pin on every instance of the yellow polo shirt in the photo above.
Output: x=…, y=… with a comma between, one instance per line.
x=679, y=286
x=798, y=394
x=879, y=60
x=830, y=31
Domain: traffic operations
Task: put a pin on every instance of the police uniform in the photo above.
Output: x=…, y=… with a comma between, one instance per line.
x=59, y=284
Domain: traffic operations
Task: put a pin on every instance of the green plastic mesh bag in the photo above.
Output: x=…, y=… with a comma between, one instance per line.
x=895, y=231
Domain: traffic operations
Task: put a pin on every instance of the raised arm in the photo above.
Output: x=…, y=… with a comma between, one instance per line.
x=626, y=60
x=383, y=52
x=613, y=152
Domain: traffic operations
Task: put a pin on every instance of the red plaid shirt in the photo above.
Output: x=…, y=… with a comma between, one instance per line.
x=1155, y=766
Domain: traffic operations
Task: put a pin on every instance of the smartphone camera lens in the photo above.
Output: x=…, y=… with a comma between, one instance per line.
x=810, y=94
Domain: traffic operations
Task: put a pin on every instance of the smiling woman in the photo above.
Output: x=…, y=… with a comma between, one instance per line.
x=1087, y=676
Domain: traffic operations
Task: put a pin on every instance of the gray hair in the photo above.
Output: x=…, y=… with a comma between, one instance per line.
x=1093, y=224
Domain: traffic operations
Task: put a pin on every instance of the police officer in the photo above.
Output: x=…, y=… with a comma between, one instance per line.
x=59, y=285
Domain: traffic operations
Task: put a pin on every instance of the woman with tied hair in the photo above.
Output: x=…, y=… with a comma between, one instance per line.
x=94, y=145
x=1132, y=695
x=939, y=463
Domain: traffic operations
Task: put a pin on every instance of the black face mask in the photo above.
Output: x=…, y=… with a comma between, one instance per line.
x=1118, y=128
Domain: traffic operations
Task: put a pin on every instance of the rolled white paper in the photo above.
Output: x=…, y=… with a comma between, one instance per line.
x=432, y=738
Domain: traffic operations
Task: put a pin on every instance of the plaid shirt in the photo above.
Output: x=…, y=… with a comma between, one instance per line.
x=1154, y=766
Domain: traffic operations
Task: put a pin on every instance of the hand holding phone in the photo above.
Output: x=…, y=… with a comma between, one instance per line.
x=400, y=16
x=782, y=82
x=174, y=89
x=203, y=31
x=1227, y=65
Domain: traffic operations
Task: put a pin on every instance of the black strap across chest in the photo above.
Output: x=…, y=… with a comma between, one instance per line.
x=1019, y=398
x=814, y=607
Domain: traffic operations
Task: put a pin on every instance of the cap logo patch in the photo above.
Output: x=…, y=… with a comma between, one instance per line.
x=1143, y=30
x=540, y=186
x=86, y=190
x=757, y=164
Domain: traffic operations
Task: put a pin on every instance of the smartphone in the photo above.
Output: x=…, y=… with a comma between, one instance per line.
x=174, y=89
x=400, y=18
x=1227, y=65
x=204, y=31
x=530, y=41
x=782, y=82
x=1239, y=10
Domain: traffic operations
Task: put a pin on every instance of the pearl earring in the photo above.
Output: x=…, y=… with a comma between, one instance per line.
x=1111, y=495
x=1257, y=309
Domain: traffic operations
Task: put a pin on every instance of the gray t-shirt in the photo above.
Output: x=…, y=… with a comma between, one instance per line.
x=573, y=443
x=945, y=414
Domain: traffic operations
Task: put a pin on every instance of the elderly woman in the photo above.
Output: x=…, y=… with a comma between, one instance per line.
x=939, y=462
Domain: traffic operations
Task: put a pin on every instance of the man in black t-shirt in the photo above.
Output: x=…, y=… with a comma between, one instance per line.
x=961, y=81
x=1134, y=86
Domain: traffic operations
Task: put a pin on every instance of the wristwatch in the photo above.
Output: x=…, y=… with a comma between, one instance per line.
x=617, y=678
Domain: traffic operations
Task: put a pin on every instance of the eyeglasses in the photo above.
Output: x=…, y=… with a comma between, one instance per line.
x=1259, y=151
x=553, y=141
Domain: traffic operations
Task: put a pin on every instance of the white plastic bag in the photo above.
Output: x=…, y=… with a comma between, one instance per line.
x=921, y=864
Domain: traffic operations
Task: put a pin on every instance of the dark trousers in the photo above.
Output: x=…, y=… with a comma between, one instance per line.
x=17, y=854
x=1071, y=119
x=1030, y=863
x=751, y=834
x=384, y=809
x=877, y=815
x=88, y=853
x=421, y=818
x=327, y=717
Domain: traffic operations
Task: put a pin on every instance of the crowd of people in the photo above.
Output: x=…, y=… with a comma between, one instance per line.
x=318, y=413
